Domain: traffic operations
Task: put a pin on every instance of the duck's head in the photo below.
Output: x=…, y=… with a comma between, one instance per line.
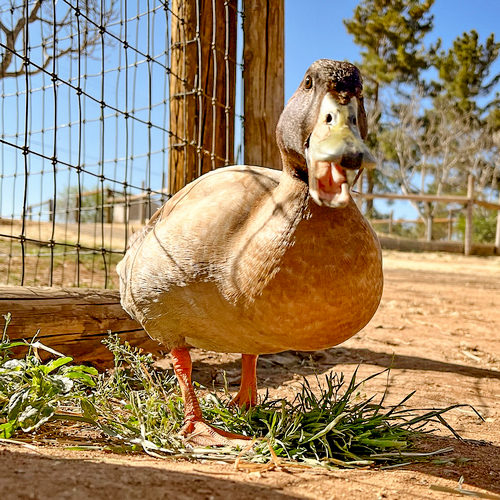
x=321, y=130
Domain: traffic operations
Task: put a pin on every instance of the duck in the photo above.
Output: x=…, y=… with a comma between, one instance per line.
x=254, y=260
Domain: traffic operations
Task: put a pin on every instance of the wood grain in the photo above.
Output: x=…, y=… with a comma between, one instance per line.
x=202, y=88
x=72, y=321
x=263, y=57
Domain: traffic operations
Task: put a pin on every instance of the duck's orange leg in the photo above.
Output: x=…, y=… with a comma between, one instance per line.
x=247, y=395
x=195, y=429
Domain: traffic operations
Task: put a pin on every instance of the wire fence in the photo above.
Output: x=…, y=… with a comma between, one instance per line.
x=103, y=116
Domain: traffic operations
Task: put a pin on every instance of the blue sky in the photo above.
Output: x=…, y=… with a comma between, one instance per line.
x=313, y=29
x=316, y=31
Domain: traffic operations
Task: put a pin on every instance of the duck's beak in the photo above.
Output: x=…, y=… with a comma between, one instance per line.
x=335, y=152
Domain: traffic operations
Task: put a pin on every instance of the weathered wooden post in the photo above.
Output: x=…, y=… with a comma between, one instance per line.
x=263, y=56
x=51, y=210
x=202, y=88
x=108, y=204
x=468, y=216
x=141, y=200
x=71, y=320
x=497, y=235
x=450, y=224
x=430, y=223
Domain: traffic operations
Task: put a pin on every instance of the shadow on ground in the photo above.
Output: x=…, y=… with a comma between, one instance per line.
x=478, y=462
x=28, y=475
x=281, y=367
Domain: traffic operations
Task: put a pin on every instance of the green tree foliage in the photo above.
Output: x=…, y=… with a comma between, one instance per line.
x=464, y=70
x=391, y=34
x=86, y=207
x=427, y=145
x=493, y=118
x=484, y=223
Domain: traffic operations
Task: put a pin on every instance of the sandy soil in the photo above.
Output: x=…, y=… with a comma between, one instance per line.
x=438, y=327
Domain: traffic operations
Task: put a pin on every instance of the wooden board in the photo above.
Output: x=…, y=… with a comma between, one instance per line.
x=202, y=88
x=410, y=245
x=263, y=59
x=72, y=321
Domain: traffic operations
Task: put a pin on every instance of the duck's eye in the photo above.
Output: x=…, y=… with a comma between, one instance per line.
x=353, y=120
x=308, y=82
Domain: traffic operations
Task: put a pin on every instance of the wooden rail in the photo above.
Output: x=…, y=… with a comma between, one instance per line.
x=429, y=197
x=468, y=201
x=73, y=321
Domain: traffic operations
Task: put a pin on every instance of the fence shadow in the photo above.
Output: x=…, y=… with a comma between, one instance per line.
x=478, y=462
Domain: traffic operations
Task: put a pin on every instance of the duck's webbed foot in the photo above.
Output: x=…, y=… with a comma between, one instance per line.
x=245, y=398
x=199, y=433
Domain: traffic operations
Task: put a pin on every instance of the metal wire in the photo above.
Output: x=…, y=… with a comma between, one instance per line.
x=84, y=133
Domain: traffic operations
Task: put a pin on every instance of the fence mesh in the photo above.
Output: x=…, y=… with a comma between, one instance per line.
x=87, y=92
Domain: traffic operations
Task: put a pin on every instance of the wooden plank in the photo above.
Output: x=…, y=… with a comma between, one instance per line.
x=415, y=197
x=436, y=220
x=428, y=197
x=202, y=88
x=469, y=221
x=411, y=245
x=487, y=204
x=263, y=57
x=71, y=320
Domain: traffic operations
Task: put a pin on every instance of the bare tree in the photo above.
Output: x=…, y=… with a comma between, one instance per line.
x=64, y=29
x=434, y=150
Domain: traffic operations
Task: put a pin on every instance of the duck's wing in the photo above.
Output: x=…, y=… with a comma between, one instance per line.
x=192, y=234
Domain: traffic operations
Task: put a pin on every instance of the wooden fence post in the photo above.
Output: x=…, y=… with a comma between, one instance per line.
x=202, y=88
x=51, y=210
x=497, y=235
x=429, y=223
x=468, y=216
x=263, y=56
x=450, y=224
x=108, y=203
x=142, y=205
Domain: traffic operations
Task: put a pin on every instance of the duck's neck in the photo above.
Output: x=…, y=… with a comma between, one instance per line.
x=291, y=188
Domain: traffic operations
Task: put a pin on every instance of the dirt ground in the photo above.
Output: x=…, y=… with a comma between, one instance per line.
x=438, y=327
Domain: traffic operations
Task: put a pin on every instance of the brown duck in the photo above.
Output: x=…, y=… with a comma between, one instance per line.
x=254, y=260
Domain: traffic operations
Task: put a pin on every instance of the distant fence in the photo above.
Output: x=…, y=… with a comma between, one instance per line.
x=467, y=203
x=108, y=107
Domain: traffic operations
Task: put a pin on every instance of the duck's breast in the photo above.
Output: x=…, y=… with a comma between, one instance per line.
x=328, y=286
